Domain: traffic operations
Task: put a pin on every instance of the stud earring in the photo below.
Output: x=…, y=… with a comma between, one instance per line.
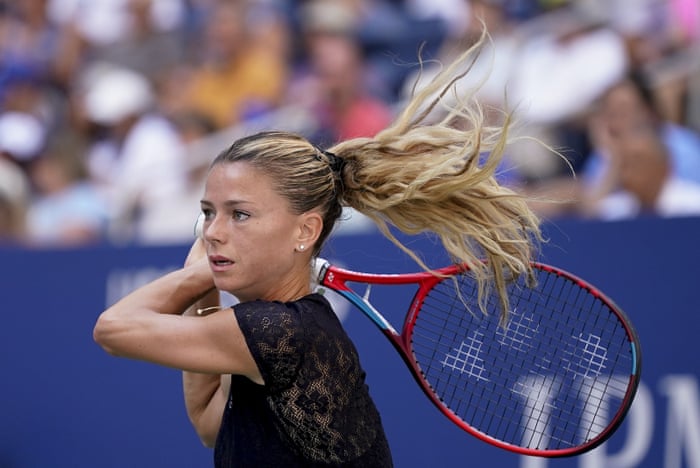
x=301, y=247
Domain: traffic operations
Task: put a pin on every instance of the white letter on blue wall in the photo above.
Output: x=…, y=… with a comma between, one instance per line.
x=682, y=420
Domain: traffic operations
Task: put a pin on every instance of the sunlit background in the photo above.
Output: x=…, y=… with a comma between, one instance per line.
x=110, y=110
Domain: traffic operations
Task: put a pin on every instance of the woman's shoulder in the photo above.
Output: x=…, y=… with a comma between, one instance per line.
x=314, y=301
x=263, y=314
x=268, y=316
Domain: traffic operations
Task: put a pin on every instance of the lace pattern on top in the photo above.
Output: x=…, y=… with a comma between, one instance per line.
x=313, y=377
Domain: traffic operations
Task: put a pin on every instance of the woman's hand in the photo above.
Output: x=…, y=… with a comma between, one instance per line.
x=198, y=251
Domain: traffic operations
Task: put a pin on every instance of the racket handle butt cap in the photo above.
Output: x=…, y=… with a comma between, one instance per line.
x=199, y=226
x=319, y=265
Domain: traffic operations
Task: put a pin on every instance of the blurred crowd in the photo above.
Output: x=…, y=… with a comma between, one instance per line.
x=111, y=110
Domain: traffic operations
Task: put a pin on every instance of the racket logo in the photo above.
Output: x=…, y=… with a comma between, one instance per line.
x=519, y=332
x=588, y=360
x=466, y=359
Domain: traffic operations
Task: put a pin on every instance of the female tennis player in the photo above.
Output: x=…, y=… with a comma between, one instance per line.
x=275, y=380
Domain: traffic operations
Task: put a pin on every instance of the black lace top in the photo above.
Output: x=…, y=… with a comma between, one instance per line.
x=314, y=409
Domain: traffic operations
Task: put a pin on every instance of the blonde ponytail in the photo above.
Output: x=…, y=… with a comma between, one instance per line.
x=440, y=178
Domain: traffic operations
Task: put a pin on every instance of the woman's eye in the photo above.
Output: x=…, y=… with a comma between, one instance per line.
x=240, y=215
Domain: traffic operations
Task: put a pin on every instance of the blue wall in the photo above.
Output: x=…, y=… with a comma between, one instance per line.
x=65, y=403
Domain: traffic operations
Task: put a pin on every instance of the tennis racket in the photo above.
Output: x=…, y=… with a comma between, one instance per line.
x=556, y=381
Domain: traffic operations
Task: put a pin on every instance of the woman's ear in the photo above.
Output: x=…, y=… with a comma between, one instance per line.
x=310, y=227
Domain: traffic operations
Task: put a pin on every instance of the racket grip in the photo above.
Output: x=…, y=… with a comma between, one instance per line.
x=199, y=226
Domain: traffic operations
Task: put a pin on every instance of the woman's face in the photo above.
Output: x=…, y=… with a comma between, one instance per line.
x=251, y=234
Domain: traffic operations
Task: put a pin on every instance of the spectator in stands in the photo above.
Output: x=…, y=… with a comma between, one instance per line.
x=138, y=157
x=334, y=82
x=66, y=209
x=29, y=43
x=639, y=180
x=560, y=70
x=14, y=197
x=153, y=41
x=629, y=102
x=102, y=24
x=30, y=53
x=642, y=165
x=685, y=24
x=236, y=76
x=22, y=138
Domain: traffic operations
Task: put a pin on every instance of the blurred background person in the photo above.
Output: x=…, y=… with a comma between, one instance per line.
x=568, y=58
x=333, y=81
x=30, y=54
x=22, y=139
x=66, y=209
x=641, y=163
x=638, y=178
x=14, y=198
x=102, y=27
x=153, y=41
x=240, y=68
x=136, y=154
x=628, y=104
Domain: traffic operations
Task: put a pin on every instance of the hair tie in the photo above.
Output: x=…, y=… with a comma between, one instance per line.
x=336, y=163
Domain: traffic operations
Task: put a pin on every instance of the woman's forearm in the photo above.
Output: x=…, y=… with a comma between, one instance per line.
x=125, y=327
x=170, y=294
x=205, y=395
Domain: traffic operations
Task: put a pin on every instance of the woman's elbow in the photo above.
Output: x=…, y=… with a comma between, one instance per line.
x=208, y=441
x=103, y=334
x=205, y=428
x=206, y=435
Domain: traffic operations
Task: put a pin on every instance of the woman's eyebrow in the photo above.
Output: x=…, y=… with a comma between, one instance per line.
x=228, y=203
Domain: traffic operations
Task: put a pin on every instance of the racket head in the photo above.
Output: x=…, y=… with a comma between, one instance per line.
x=557, y=380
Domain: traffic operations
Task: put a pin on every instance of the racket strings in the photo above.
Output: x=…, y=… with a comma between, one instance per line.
x=552, y=378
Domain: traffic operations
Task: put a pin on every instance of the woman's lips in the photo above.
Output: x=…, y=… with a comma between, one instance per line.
x=220, y=263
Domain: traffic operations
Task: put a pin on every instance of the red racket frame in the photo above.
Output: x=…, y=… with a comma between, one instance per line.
x=336, y=278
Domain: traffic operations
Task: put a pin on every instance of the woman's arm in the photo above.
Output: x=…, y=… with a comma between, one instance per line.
x=205, y=394
x=150, y=318
x=150, y=324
